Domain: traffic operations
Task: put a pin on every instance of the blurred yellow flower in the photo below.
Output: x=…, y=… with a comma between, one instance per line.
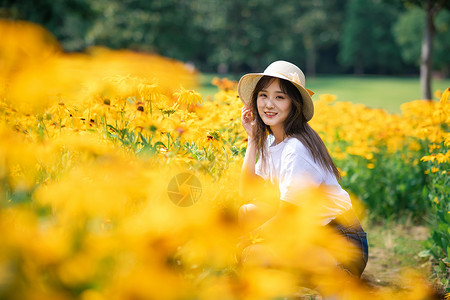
x=188, y=97
x=327, y=98
x=224, y=83
x=444, y=97
x=434, y=170
x=439, y=157
x=428, y=158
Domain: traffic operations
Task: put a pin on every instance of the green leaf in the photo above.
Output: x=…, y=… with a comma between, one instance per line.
x=159, y=143
x=446, y=261
x=424, y=253
x=143, y=139
x=112, y=127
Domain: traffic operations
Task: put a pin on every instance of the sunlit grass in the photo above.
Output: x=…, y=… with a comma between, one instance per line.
x=386, y=92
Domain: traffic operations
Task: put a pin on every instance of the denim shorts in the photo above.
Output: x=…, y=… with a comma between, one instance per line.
x=348, y=226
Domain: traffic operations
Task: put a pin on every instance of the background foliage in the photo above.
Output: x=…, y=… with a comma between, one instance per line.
x=334, y=36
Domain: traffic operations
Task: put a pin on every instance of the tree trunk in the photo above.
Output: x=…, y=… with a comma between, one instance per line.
x=358, y=68
x=426, y=61
x=311, y=56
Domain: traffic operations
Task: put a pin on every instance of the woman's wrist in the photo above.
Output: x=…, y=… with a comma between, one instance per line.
x=251, y=141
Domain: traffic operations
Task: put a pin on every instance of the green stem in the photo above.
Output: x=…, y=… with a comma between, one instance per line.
x=168, y=141
x=41, y=121
x=151, y=110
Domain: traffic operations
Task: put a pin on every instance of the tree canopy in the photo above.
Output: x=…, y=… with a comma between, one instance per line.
x=334, y=36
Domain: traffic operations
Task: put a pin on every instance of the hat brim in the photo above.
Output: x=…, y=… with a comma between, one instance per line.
x=247, y=85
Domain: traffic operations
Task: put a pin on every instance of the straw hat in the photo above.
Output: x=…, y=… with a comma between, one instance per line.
x=283, y=70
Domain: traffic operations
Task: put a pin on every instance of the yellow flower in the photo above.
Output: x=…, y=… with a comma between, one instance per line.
x=445, y=95
x=428, y=158
x=439, y=158
x=212, y=138
x=255, y=238
x=224, y=83
x=327, y=98
x=433, y=147
x=442, y=158
x=148, y=91
x=370, y=166
x=188, y=97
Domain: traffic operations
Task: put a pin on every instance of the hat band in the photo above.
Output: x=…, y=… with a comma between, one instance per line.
x=292, y=77
x=295, y=78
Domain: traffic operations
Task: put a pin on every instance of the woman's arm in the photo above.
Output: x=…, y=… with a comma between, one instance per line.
x=248, y=176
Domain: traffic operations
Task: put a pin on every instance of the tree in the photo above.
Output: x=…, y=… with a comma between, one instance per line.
x=256, y=33
x=426, y=62
x=367, y=40
x=442, y=42
x=431, y=8
x=68, y=20
x=318, y=25
x=405, y=31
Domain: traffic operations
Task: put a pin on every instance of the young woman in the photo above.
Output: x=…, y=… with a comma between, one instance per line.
x=285, y=151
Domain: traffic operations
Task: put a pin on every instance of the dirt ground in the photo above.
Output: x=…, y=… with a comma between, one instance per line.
x=393, y=251
x=393, y=255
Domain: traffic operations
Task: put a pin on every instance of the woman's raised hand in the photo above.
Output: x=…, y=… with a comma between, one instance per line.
x=247, y=120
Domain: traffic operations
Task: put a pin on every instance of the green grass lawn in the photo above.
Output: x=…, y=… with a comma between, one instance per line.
x=374, y=91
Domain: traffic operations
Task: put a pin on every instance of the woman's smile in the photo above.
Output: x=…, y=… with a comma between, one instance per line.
x=270, y=114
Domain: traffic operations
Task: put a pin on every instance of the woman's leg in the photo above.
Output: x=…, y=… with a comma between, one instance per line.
x=250, y=217
x=259, y=255
x=357, y=247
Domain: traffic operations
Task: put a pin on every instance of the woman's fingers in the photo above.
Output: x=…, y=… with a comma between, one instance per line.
x=245, y=116
x=246, y=113
x=245, y=108
x=247, y=119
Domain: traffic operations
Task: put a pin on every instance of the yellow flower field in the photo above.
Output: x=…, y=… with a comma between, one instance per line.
x=90, y=142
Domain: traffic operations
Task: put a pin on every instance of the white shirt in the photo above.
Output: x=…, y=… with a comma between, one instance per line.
x=291, y=167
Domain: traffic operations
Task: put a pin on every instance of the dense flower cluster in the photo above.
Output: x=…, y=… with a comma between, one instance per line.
x=88, y=147
x=437, y=131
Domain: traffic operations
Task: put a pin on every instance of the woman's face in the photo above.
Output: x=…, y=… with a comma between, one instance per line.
x=273, y=105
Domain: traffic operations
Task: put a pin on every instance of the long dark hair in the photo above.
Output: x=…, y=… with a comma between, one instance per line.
x=294, y=126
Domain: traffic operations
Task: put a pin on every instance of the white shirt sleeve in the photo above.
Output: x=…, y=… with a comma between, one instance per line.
x=298, y=172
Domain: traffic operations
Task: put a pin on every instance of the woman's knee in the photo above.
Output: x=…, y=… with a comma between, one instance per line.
x=246, y=212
